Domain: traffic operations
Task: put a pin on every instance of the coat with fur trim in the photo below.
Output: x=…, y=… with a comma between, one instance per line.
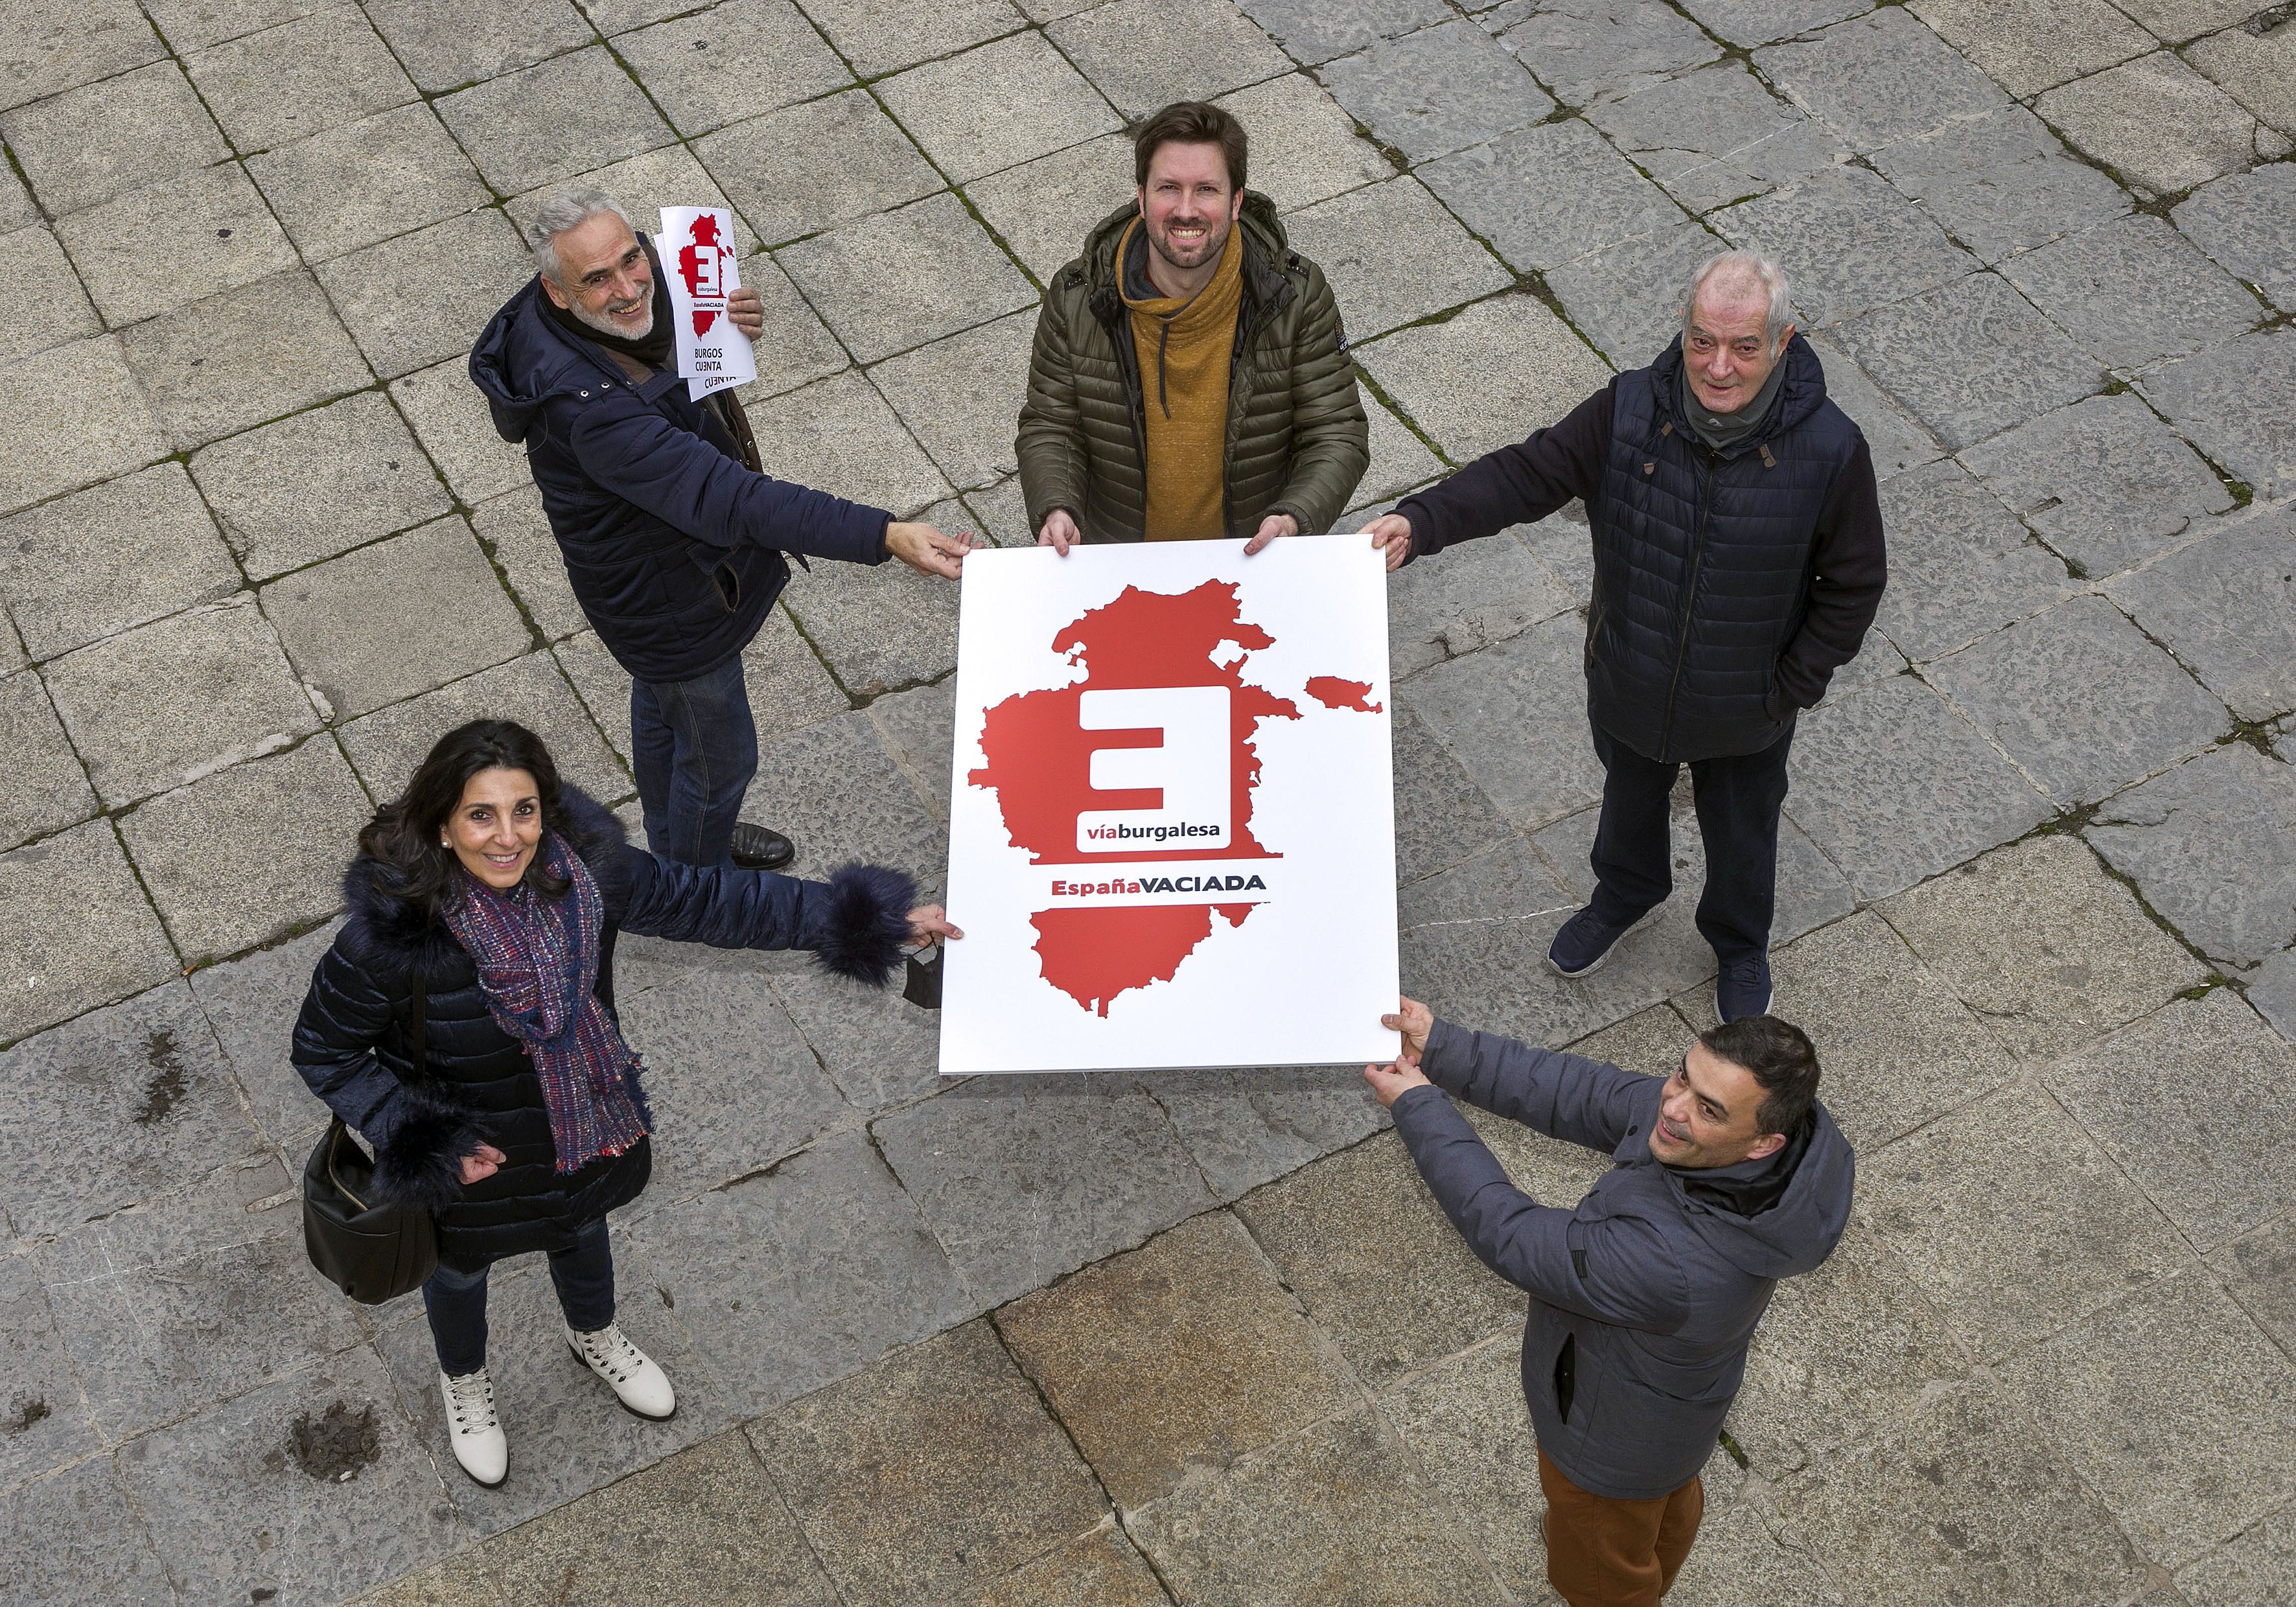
x=352, y=1042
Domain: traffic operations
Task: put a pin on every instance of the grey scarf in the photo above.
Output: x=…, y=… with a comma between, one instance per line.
x=1724, y=430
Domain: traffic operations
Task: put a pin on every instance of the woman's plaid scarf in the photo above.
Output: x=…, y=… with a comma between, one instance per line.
x=537, y=961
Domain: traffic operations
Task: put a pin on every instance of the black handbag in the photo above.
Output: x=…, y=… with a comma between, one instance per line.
x=372, y=1251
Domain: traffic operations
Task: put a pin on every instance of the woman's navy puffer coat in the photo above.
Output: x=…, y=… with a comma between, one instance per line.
x=352, y=1041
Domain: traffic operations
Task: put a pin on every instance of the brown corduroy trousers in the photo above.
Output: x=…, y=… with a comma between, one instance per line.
x=1605, y=1552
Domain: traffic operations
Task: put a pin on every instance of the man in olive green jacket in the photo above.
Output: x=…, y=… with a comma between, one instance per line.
x=1190, y=379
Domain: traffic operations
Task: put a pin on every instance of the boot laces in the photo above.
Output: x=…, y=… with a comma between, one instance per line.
x=607, y=1350
x=471, y=1402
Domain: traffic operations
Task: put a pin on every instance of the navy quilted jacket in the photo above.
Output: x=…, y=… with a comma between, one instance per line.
x=1728, y=585
x=352, y=1041
x=673, y=544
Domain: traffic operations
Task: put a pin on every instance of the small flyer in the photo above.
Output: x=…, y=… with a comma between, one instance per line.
x=696, y=247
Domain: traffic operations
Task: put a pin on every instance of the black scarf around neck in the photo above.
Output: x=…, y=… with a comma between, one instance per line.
x=654, y=348
x=1723, y=431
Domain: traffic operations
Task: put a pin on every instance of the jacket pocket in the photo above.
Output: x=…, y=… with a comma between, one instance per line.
x=1566, y=1376
x=728, y=585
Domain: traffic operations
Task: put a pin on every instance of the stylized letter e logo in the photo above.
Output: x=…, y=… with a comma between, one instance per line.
x=1192, y=769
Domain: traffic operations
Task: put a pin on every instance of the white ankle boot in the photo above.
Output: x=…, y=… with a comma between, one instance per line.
x=640, y=1385
x=473, y=1427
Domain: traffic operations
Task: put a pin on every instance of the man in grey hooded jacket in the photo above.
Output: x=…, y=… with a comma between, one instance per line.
x=1727, y=1175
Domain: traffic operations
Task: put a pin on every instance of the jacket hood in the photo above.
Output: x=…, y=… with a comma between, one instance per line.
x=1267, y=245
x=389, y=937
x=1803, y=392
x=1799, y=1230
x=522, y=359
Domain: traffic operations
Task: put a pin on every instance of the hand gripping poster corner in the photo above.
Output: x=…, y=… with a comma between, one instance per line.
x=1172, y=815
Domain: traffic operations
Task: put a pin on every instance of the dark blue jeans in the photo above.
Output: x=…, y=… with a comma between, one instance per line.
x=1738, y=799
x=456, y=1302
x=694, y=747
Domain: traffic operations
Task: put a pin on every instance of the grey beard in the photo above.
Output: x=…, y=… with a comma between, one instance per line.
x=605, y=326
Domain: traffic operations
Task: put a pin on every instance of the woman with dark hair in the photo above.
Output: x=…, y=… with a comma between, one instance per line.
x=463, y=1024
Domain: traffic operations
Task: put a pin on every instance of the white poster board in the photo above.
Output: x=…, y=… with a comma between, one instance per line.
x=1172, y=817
x=696, y=248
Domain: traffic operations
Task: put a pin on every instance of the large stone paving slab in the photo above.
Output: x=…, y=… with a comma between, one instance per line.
x=1392, y=254
x=2247, y=221
x=960, y=397
x=389, y=621
x=2134, y=292
x=385, y=747
x=1304, y=148
x=86, y=147
x=367, y=181
x=2014, y=1222
x=2158, y=125
x=805, y=167
x=705, y=1525
x=2210, y=847
x=1848, y=241
x=806, y=785
x=172, y=701
x=74, y=416
x=1097, y=1570
x=2201, y=1134
x=2006, y=362
x=1338, y=1515
x=1467, y=598
x=1879, y=78
x=2001, y=182
x=326, y=1490
x=1588, y=51
x=839, y=436
x=986, y=1478
x=1246, y=1125
x=1143, y=54
x=708, y=68
x=280, y=83
x=2030, y=45
x=1514, y=715
x=1627, y=298
x=1438, y=90
x=1174, y=1359
x=75, y=1535
x=961, y=110
x=221, y=890
x=116, y=555
x=2232, y=403
x=796, y=1278
x=318, y=483
x=1960, y=565
x=1311, y=31
x=1715, y=136
x=2080, y=699
x=2223, y=605
x=2048, y=950
x=119, y=1106
x=127, y=248
x=81, y=932
x=44, y=1414
x=251, y=354
x=153, y=1303
x=54, y=308
x=2104, y=482
x=2174, y=1409
x=1967, y=1504
x=447, y=45
x=410, y=301
x=1895, y=787
x=1024, y=1179
x=1043, y=209
x=1547, y=195
x=552, y=121
x=898, y=279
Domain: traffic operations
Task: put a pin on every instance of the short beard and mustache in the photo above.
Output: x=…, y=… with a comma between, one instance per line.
x=603, y=322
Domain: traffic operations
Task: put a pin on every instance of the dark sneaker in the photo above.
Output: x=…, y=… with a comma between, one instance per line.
x=1743, y=988
x=757, y=848
x=1585, y=942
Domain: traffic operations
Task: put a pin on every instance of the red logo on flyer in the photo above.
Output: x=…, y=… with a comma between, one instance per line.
x=701, y=265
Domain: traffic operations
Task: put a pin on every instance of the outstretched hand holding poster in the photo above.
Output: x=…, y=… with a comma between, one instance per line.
x=1172, y=817
x=696, y=247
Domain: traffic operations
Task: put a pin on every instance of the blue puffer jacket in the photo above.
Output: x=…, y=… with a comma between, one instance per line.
x=1645, y=1294
x=352, y=1041
x=672, y=543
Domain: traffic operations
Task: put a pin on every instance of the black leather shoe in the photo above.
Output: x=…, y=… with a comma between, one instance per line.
x=757, y=848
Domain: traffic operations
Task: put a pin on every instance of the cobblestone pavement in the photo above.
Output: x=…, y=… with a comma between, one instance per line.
x=257, y=545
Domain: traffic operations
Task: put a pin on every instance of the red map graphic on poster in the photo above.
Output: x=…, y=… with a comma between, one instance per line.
x=699, y=265
x=1039, y=766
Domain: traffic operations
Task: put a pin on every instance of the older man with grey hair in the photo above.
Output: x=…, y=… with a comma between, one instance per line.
x=673, y=534
x=1738, y=560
